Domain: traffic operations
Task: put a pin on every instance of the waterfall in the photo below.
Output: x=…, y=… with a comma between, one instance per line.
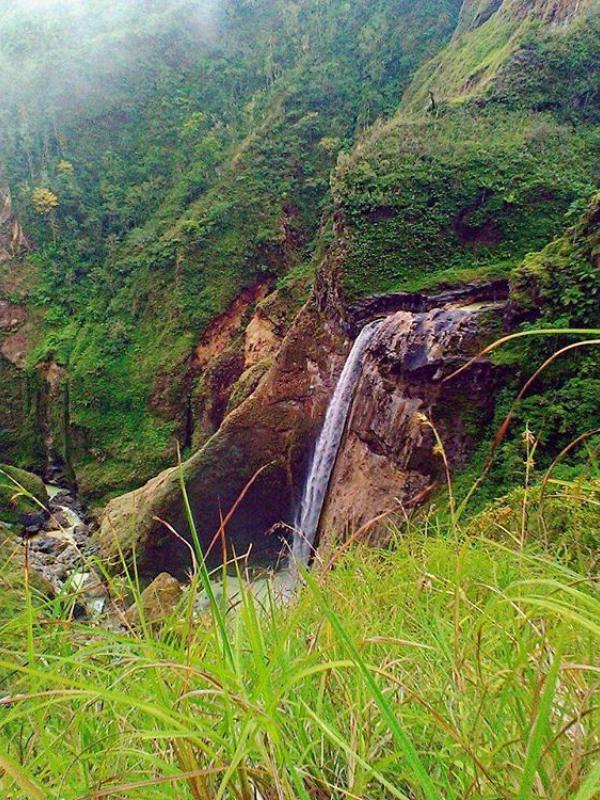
x=326, y=450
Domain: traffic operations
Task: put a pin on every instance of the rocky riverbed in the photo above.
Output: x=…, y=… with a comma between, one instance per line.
x=53, y=541
x=59, y=550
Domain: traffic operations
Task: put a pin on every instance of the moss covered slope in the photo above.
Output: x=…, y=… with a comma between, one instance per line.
x=471, y=180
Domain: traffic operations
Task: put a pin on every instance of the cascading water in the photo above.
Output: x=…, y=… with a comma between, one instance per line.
x=326, y=450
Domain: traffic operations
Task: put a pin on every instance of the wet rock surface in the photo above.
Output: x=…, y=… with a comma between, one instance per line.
x=358, y=314
x=58, y=550
x=390, y=456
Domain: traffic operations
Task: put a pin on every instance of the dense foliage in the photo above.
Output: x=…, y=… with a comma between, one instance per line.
x=180, y=152
x=465, y=190
x=489, y=172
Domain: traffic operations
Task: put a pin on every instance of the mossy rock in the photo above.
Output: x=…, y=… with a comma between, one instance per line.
x=20, y=492
x=247, y=383
x=156, y=602
x=12, y=577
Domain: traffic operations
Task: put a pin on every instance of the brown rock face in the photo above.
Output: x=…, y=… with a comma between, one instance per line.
x=221, y=333
x=12, y=239
x=387, y=457
x=386, y=453
x=273, y=429
x=198, y=393
x=11, y=315
x=15, y=333
x=261, y=340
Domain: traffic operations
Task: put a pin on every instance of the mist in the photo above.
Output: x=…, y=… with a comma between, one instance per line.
x=58, y=55
x=110, y=9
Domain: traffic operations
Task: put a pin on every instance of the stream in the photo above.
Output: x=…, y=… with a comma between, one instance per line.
x=59, y=550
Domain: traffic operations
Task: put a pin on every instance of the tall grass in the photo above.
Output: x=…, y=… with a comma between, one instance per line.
x=460, y=662
x=449, y=665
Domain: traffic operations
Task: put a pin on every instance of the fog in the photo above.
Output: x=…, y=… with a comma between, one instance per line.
x=57, y=54
x=110, y=7
x=78, y=20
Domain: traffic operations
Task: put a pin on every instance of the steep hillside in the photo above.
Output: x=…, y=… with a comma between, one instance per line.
x=485, y=169
x=178, y=160
x=299, y=399
x=424, y=201
x=498, y=37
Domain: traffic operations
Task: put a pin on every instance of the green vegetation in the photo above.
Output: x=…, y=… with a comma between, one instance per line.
x=181, y=153
x=460, y=660
x=560, y=287
x=487, y=175
x=163, y=157
x=20, y=492
x=507, y=54
x=563, y=281
x=468, y=189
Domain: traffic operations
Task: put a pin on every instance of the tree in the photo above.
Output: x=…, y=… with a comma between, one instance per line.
x=44, y=201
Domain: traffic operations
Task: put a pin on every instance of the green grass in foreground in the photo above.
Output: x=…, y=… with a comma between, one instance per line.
x=461, y=662
x=457, y=664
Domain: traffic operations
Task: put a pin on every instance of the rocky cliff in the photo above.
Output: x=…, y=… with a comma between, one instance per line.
x=271, y=431
x=391, y=458
x=12, y=238
x=387, y=453
x=494, y=141
x=168, y=199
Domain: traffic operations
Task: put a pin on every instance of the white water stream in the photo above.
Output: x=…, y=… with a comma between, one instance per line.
x=326, y=450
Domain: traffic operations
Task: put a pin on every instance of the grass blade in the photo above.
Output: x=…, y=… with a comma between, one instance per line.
x=590, y=788
x=539, y=732
x=424, y=782
x=21, y=778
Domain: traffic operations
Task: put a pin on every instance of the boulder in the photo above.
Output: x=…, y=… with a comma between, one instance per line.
x=23, y=497
x=156, y=602
x=91, y=592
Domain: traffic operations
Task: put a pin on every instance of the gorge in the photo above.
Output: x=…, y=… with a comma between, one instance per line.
x=299, y=288
x=241, y=374
x=278, y=427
